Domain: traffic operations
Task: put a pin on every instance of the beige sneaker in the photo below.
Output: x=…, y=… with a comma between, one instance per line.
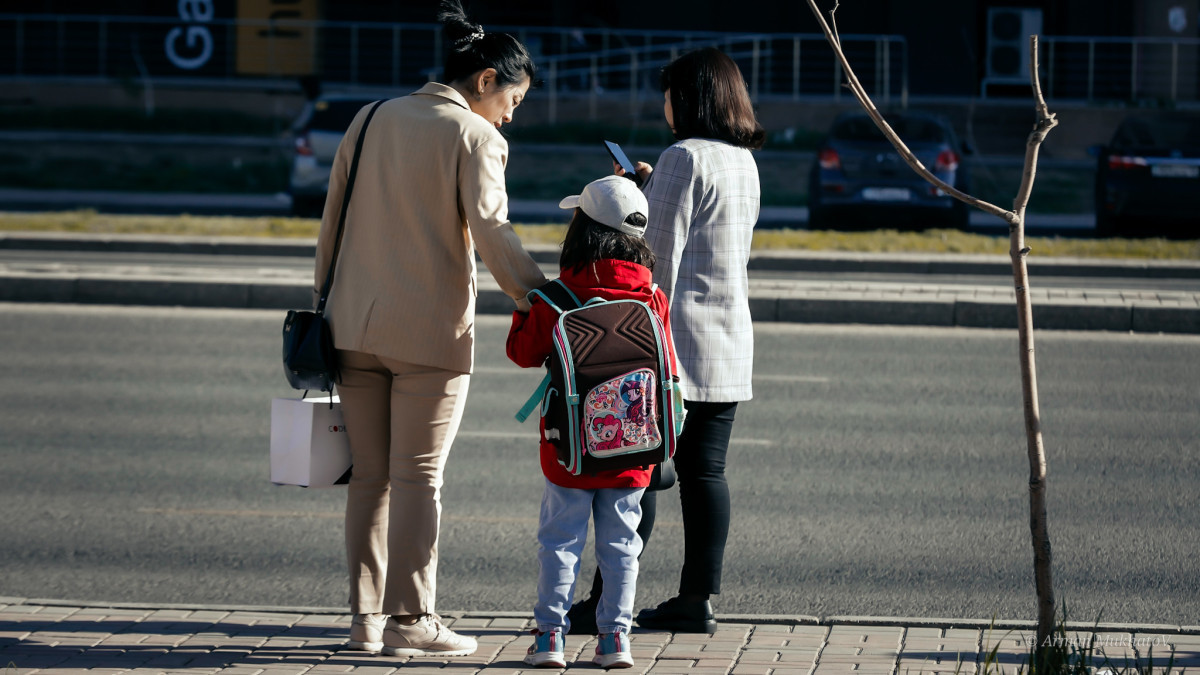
x=426, y=637
x=366, y=632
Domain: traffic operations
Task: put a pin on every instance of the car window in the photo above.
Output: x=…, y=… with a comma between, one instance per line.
x=1157, y=132
x=334, y=115
x=910, y=129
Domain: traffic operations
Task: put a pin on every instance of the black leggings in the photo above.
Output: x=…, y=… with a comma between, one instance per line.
x=703, y=495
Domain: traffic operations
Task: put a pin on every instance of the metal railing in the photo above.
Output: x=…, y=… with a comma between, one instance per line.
x=1134, y=70
x=573, y=61
x=775, y=66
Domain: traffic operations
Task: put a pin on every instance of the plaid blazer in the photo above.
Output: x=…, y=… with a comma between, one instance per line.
x=704, y=202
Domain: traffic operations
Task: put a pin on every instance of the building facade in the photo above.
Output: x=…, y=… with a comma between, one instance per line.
x=953, y=47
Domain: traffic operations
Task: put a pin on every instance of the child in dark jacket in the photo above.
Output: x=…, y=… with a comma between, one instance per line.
x=603, y=256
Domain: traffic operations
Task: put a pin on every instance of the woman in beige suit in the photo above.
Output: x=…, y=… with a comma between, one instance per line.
x=429, y=191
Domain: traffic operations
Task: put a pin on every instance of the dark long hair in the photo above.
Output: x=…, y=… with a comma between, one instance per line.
x=469, y=49
x=588, y=241
x=709, y=99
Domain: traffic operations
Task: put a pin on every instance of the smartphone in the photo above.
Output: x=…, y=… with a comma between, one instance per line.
x=622, y=161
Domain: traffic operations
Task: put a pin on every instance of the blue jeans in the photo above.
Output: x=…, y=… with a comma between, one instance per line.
x=562, y=534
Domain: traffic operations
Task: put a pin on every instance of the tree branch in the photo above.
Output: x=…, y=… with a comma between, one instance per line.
x=1045, y=122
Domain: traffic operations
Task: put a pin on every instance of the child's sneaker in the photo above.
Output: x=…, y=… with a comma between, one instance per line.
x=613, y=650
x=547, y=650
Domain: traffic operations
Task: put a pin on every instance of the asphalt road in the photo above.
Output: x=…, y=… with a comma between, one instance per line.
x=879, y=472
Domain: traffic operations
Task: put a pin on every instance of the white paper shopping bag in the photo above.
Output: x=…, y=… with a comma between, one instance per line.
x=309, y=445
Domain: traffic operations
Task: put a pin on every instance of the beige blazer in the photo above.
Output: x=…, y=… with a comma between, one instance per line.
x=429, y=191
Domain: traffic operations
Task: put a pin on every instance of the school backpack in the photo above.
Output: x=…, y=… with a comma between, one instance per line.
x=611, y=398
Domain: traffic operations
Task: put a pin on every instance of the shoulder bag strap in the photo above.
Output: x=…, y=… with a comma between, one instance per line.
x=337, y=243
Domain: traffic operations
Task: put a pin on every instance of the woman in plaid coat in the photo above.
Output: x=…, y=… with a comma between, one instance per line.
x=704, y=203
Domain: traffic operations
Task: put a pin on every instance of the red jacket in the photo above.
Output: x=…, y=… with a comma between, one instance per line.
x=529, y=345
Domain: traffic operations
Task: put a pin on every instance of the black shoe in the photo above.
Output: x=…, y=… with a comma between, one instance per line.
x=680, y=616
x=582, y=616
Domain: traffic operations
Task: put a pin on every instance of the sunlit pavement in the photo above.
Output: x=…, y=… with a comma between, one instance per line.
x=40, y=636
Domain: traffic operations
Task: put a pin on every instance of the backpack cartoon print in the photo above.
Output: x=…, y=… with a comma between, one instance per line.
x=633, y=394
x=607, y=431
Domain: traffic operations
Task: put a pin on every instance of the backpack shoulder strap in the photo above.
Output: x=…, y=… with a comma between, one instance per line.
x=556, y=294
x=534, y=399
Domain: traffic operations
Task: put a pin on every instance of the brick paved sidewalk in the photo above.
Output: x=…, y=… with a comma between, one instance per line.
x=49, y=638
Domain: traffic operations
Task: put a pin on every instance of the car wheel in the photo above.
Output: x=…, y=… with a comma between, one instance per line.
x=1110, y=225
x=960, y=216
x=817, y=217
x=307, y=207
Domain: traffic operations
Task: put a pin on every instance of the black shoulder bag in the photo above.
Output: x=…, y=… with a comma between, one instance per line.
x=309, y=359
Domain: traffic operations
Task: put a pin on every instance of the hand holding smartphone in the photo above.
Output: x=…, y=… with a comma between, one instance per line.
x=622, y=161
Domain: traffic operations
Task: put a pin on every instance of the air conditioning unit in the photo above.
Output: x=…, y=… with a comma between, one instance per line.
x=1008, y=32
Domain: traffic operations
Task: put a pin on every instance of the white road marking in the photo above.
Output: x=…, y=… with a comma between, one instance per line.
x=338, y=515
x=530, y=436
x=792, y=378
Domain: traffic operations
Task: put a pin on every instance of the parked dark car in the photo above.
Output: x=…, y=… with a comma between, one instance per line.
x=1148, y=176
x=859, y=178
x=317, y=132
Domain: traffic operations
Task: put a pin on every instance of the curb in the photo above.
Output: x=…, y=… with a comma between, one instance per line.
x=968, y=265
x=933, y=303
x=789, y=306
x=773, y=261
x=15, y=199
x=1047, y=315
x=760, y=619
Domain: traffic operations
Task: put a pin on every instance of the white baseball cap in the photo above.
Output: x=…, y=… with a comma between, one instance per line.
x=609, y=201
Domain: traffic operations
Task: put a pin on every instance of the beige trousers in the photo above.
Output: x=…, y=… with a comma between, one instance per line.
x=401, y=420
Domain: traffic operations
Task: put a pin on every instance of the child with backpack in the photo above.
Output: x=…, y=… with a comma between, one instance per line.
x=605, y=257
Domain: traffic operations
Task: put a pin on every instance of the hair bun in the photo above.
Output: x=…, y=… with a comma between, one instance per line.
x=466, y=40
x=468, y=50
x=459, y=30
